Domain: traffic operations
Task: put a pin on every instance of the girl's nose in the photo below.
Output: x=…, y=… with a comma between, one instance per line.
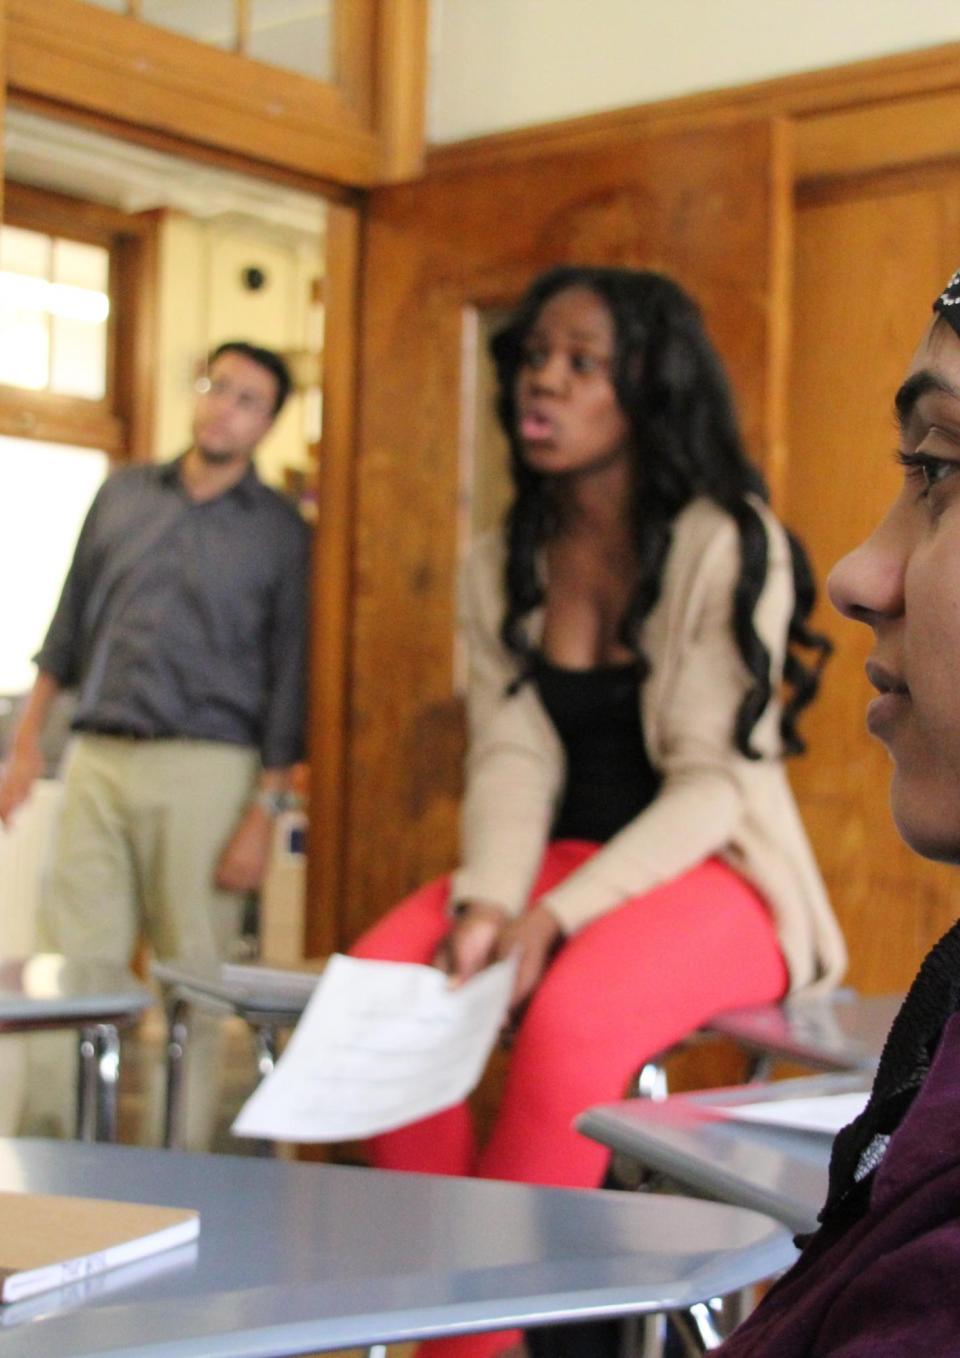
x=867, y=584
x=551, y=375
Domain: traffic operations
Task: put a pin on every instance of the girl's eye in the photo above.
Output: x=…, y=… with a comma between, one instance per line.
x=535, y=358
x=930, y=472
x=585, y=363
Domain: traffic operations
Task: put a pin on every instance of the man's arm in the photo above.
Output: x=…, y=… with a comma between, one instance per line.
x=244, y=859
x=25, y=763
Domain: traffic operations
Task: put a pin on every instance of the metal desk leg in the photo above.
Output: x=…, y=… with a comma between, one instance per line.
x=265, y=1043
x=700, y=1328
x=177, y=1031
x=644, y=1337
x=86, y=1085
x=759, y=1067
x=97, y=1080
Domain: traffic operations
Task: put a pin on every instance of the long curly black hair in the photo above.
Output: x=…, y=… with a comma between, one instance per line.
x=672, y=387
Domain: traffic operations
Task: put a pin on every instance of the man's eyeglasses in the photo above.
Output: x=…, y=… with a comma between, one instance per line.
x=249, y=401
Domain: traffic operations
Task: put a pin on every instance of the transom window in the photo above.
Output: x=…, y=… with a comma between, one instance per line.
x=294, y=35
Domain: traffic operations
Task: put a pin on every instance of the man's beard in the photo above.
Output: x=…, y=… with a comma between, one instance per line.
x=213, y=457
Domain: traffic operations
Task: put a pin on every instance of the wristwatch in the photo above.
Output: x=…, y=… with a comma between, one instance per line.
x=273, y=802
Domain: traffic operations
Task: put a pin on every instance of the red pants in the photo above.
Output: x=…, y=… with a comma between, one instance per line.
x=625, y=987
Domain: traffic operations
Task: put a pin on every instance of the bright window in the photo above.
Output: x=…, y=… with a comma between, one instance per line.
x=45, y=492
x=54, y=307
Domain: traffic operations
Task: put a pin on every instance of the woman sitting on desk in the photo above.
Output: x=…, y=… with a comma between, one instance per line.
x=879, y=1278
x=627, y=825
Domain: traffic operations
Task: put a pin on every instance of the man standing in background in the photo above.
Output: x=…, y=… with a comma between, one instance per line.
x=182, y=627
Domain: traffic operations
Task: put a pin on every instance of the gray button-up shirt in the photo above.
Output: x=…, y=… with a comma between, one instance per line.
x=185, y=618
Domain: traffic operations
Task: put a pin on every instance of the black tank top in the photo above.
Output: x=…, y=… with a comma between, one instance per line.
x=610, y=779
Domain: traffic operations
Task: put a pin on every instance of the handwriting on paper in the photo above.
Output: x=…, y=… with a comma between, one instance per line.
x=379, y=1045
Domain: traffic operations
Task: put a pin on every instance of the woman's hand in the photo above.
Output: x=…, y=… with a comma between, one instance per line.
x=535, y=936
x=472, y=942
x=485, y=933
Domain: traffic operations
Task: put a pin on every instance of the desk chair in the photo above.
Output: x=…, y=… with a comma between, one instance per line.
x=841, y=1031
x=93, y=998
x=268, y=1000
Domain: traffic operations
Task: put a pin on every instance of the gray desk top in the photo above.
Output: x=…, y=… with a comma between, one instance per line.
x=50, y=988
x=295, y=1257
x=687, y=1138
x=844, y=1031
x=253, y=991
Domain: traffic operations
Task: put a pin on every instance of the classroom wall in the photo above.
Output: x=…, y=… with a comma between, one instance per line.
x=202, y=301
x=499, y=64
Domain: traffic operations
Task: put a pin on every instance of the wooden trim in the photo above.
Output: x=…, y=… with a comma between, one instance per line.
x=802, y=96
x=173, y=145
x=401, y=88
x=779, y=330
x=333, y=588
x=354, y=45
x=137, y=264
x=904, y=131
x=60, y=419
x=82, y=57
x=3, y=96
x=59, y=214
x=242, y=11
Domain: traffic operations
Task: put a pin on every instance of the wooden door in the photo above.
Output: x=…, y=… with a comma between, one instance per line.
x=871, y=254
x=706, y=207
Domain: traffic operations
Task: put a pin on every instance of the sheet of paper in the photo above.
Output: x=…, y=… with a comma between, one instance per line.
x=823, y=1113
x=380, y=1044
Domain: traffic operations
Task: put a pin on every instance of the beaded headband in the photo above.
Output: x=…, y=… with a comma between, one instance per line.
x=948, y=303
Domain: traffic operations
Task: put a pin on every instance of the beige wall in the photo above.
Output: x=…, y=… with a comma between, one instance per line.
x=497, y=64
x=203, y=301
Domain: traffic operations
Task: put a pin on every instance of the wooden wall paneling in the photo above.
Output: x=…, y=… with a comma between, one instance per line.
x=332, y=587
x=879, y=136
x=869, y=260
x=697, y=205
x=881, y=81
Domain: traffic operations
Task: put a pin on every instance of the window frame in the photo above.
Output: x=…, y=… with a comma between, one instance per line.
x=365, y=129
x=120, y=421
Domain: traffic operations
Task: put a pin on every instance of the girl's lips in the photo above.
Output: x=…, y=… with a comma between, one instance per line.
x=885, y=711
x=536, y=428
x=894, y=699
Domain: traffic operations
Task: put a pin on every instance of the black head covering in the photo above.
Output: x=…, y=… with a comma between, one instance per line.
x=904, y=1064
x=948, y=303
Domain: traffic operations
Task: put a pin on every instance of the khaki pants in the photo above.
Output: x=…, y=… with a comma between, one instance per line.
x=141, y=826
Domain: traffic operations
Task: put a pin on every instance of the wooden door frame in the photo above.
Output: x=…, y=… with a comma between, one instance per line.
x=366, y=128
x=332, y=547
x=332, y=588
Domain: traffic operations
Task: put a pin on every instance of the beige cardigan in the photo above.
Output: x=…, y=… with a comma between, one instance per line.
x=712, y=800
